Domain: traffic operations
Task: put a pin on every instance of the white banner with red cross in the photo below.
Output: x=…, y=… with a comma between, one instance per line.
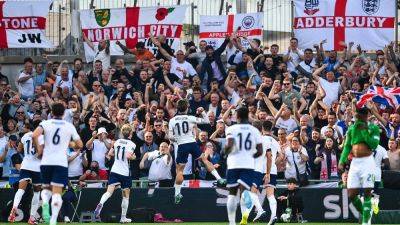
x=369, y=23
x=23, y=24
x=213, y=29
x=131, y=25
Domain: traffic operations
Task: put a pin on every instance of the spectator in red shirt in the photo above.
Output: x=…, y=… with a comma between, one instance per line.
x=93, y=173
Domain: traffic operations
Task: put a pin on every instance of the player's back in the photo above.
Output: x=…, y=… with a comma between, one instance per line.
x=182, y=128
x=268, y=143
x=57, y=136
x=30, y=161
x=122, y=148
x=246, y=137
x=272, y=144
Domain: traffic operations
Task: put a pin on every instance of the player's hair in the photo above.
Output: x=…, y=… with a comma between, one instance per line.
x=242, y=113
x=32, y=126
x=182, y=105
x=57, y=109
x=267, y=125
x=257, y=124
x=126, y=130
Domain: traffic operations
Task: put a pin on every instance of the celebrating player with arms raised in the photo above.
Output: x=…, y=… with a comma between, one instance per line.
x=361, y=139
x=181, y=131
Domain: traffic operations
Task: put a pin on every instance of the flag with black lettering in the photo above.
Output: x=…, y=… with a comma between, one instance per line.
x=369, y=23
x=23, y=24
x=130, y=25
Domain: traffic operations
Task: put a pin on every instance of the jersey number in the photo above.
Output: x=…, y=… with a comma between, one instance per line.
x=28, y=147
x=247, y=142
x=56, y=137
x=123, y=152
x=185, y=128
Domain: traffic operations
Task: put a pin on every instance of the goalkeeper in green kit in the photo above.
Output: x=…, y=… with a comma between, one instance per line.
x=361, y=139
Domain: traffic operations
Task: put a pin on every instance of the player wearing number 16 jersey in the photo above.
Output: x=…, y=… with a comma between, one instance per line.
x=30, y=172
x=57, y=135
x=181, y=131
x=123, y=151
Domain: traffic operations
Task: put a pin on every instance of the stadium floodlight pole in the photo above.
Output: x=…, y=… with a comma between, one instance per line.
x=178, y=2
x=192, y=7
x=135, y=3
x=261, y=6
x=292, y=17
x=228, y=8
x=221, y=7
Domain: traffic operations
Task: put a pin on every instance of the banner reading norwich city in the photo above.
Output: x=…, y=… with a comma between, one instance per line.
x=213, y=29
x=369, y=23
x=23, y=24
x=130, y=25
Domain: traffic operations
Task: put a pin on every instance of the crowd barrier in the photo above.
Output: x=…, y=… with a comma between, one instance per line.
x=209, y=204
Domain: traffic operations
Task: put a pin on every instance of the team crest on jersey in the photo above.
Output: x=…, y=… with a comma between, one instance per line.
x=102, y=16
x=311, y=7
x=370, y=6
x=248, y=22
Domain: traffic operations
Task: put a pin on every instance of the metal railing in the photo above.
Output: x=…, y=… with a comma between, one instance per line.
x=277, y=20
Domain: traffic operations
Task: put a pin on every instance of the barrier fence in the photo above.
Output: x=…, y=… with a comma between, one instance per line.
x=277, y=20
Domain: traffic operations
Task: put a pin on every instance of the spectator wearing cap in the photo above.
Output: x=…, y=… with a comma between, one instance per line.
x=212, y=65
x=160, y=165
x=140, y=51
x=99, y=146
x=25, y=80
x=6, y=153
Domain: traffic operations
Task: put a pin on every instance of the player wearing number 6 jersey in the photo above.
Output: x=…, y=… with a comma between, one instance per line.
x=123, y=151
x=30, y=172
x=57, y=135
x=181, y=131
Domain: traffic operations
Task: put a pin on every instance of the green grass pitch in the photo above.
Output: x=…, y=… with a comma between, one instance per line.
x=331, y=223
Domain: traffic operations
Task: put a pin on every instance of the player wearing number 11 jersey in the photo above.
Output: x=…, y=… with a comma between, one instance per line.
x=123, y=151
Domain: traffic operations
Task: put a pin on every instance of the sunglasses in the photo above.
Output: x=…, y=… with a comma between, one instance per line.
x=96, y=85
x=286, y=84
x=20, y=112
x=157, y=125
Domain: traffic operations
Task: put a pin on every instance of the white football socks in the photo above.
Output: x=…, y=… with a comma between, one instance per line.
x=231, y=208
x=105, y=197
x=35, y=203
x=272, y=205
x=124, y=207
x=56, y=204
x=46, y=195
x=256, y=201
x=215, y=173
x=18, y=197
x=178, y=188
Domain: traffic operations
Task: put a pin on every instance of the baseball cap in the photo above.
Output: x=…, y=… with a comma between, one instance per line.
x=102, y=130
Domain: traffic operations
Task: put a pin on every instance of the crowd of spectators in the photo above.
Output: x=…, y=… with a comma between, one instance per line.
x=309, y=95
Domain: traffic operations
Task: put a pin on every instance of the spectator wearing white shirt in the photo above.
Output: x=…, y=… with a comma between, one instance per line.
x=160, y=168
x=25, y=80
x=3, y=143
x=296, y=159
x=293, y=56
x=101, y=51
x=331, y=87
x=76, y=162
x=179, y=66
x=99, y=145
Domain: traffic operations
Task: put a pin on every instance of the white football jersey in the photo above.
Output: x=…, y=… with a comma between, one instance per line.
x=57, y=135
x=268, y=143
x=181, y=127
x=246, y=137
x=30, y=161
x=121, y=148
x=379, y=155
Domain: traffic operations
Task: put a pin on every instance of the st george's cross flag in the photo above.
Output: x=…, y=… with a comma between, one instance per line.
x=369, y=23
x=130, y=25
x=23, y=24
x=213, y=29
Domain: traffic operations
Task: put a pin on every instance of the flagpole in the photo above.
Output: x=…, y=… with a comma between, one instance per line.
x=396, y=31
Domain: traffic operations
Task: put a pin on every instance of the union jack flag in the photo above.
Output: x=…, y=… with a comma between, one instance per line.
x=382, y=95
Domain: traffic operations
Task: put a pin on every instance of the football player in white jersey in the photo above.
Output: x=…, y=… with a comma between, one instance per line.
x=29, y=173
x=181, y=131
x=242, y=147
x=380, y=157
x=57, y=135
x=123, y=151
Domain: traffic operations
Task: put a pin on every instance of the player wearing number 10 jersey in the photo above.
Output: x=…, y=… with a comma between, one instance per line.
x=181, y=131
x=123, y=151
x=57, y=135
